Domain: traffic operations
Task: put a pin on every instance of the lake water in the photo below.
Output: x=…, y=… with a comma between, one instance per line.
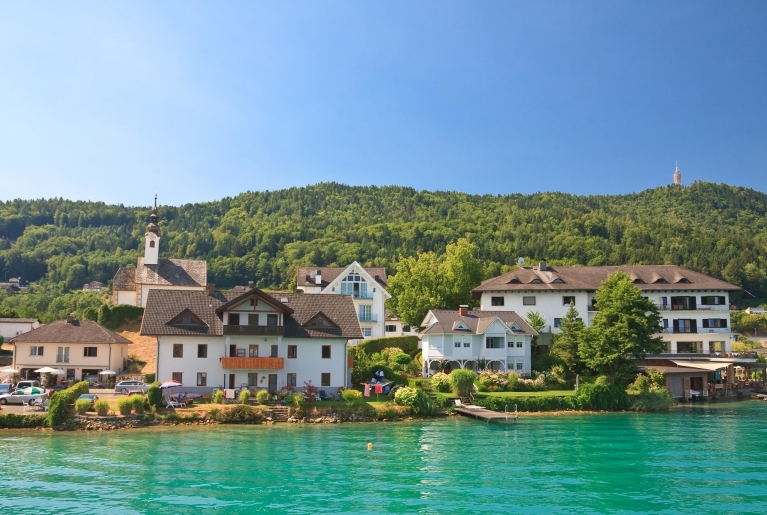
x=693, y=460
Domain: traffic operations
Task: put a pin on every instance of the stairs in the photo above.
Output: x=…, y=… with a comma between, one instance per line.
x=280, y=413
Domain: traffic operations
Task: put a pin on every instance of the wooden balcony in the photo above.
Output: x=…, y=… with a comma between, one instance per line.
x=253, y=363
x=254, y=330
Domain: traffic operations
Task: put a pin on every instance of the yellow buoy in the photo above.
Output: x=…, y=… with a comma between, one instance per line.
x=370, y=446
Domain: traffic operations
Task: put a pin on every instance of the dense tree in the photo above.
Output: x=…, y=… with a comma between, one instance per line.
x=566, y=343
x=623, y=329
x=537, y=322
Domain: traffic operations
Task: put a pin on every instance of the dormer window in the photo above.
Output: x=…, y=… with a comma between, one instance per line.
x=320, y=321
x=186, y=317
x=535, y=281
x=557, y=281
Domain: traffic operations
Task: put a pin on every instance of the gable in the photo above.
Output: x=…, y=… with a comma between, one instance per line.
x=497, y=327
x=187, y=317
x=320, y=321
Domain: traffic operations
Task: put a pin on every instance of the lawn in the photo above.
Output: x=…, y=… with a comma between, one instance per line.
x=549, y=393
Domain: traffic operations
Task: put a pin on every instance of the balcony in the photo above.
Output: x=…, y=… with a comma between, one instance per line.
x=254, y=363
x=254, y=330
x=699, y=330
x=683, y=307
x=368, y=318
x=362, y=296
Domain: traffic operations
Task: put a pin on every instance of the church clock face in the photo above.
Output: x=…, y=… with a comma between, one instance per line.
x=152, y=236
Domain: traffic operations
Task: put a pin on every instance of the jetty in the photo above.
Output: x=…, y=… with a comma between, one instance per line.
x=480, y=413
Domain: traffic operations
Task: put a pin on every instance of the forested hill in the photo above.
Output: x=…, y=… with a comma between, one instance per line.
x=713, y=228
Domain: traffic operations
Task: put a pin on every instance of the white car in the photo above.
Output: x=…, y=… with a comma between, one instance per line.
x=131, y=386
x=21, y=396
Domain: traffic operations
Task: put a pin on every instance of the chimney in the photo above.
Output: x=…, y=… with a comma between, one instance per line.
x=250, y=285
x=211, y=288
x=463, y=310
x=318, y=277
x=542, y=266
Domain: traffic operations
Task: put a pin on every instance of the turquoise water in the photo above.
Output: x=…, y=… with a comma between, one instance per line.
x=693, y=460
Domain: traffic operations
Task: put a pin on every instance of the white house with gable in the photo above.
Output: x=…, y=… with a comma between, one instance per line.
x=366, y=287
x=495, y=340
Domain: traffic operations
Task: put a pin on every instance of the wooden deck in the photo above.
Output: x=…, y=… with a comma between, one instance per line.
x=485, y=414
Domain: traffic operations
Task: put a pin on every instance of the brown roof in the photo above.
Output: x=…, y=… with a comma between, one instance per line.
x=77, y=331
x=124, y=280
x=675, y=370
x=173, y=272
x=330, y=274
x=477, y=321
x=645, y=277
x=19, y=320
x=162, y=306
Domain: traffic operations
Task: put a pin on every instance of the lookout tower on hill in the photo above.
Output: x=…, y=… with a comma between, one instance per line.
x=677, y=176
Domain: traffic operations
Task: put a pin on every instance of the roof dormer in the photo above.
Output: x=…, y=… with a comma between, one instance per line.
x=187, y=317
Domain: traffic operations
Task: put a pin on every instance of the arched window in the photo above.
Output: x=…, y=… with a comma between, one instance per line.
x=151, y=243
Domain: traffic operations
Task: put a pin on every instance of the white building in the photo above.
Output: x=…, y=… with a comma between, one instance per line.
x=229, y=340
x=695, y=307
x=80, y=348
x=366, y=286
x=12, y=327
x=499, y=340
x=132, y=285
x=395, y=327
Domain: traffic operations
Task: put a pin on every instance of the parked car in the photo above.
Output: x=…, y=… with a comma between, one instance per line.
x=27, y=383
x=6, y=388
x=21, y=396
x=131, y=386
x=88, y=397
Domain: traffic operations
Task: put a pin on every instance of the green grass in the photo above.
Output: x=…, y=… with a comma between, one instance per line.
x=549, y=393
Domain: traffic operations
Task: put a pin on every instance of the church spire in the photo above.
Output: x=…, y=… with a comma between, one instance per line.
x=152, y=237
x=677, y=176
x=153, y=227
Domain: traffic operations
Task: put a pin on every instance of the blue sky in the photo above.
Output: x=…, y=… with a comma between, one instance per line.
x=200, y=100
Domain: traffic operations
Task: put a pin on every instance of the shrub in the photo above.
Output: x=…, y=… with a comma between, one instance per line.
x=310, y=391
x=440, y=382
x=150, y=378
x=541, y=403
x=82, y=406
x=240, y=414
x=408, y=344
x=79, y=388
x=402, y=358
x=648, y=392
x=14, y=421
x=125, y=406
x=287, y=395
x=154, y=394
x=213, y=413
x=262, y=396
x=601, y=396
x=462, y=381
x=245, y=396
x=351, y=396
x=418, y=401
x=57, y=406
x=102, y=408
x=139, y=403
x=218, y=396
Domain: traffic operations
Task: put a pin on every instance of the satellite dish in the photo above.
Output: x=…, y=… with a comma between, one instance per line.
x=521, y=262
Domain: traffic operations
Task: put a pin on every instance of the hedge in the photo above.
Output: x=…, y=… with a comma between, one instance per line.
x=542, y=403
x=14, y=421
x=57, y=406
x=408, y=344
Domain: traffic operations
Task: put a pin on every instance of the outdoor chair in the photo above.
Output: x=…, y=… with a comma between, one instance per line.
x=25, y=405
x=170, y=403
x=323, y=396
x=460, y=404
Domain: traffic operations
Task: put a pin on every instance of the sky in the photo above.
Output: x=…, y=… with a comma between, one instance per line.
x=114, y=101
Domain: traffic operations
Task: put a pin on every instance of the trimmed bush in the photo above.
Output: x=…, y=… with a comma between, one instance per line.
x=541, y=403
x=240, y=414
x=351, y=396
x=462, y=381
x=14, y=421
x=417, y=400
x=151, y=378
x=262, y=396
x=402, y=358
x=125, y=406
x=408, y=344
x=245, y=397
x=82, y=406
x=102, y=408
x=139, y=403
x=154, y=394
x=57, y=405
x=217, y=397
x=440, y=382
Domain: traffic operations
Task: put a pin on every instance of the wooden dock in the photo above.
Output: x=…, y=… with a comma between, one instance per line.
x=485, y=414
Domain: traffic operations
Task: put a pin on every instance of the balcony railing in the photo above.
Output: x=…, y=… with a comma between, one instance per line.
x=699, y=330
x=682, y=307
x=369, y=318
x=254, y=330
x=593, y=308
x=253, y=363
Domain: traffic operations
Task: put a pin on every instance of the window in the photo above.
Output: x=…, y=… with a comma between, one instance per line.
x=36, y=351
x=510, y=344
x=151, y=244
x=240, y=353
x=252, y=378
x=557, y=322
x=366, y=313
x=271, y=320
x=325, y=379
x=496, y=301
x=176, y=376
x=712, y=301
x=90, y=352
x=710, y=323
x=202, y=379
x=253, y=319
x=665, y=323
x=252, y=351
x=519, y=345
x=292, y=379
x=567, y=300
x=292, y=351
x=685, y=325
x=406, y=328
x=687, y=347
x=274, y=351
x=493, y=342
x=367, y=331
x=391, y=328
x=202, y=350
x=466, y=344
x=62, y=355
x=457, y=344
x=519, y=365
x=186, y=320
x=528, y=301
x=178, y=350
x=326, y=351
x=234, y=319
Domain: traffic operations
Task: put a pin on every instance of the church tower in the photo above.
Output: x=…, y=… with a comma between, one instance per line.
x=152, y=237
x=678, y=176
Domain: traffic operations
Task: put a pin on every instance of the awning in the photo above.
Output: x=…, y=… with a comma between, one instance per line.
x=706, y=365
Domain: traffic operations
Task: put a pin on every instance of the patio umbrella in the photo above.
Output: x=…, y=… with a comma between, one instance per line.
x=46, y=370
x=9, y=371
x=32, y=390
x=107, y=373
x=59, y=372
x=170, y=384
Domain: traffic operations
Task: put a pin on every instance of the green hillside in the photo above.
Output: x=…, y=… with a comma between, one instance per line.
x=262, y=236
